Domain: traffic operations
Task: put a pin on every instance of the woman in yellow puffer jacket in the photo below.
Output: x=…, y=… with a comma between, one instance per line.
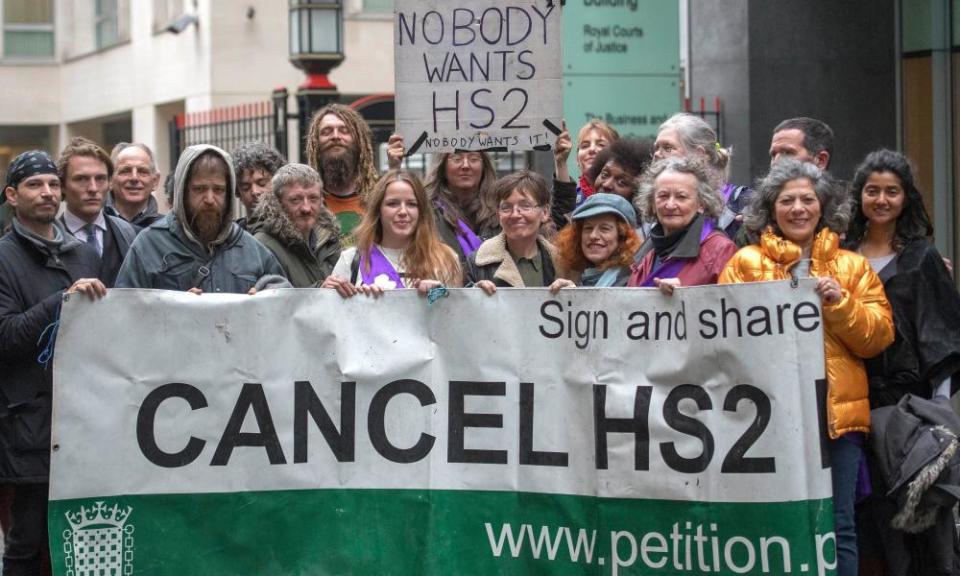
x=797, y=214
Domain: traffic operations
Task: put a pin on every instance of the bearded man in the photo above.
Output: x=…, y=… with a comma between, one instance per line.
x=339, y=147
x=197, y=247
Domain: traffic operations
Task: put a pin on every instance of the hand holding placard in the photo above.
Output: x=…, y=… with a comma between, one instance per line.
x=485, y=76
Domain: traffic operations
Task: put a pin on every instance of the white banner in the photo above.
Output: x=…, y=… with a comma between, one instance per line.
x=710, y=395
x=478, y=75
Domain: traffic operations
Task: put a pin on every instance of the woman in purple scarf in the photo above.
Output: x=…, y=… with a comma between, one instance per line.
x=685, y=134
x=396, y=244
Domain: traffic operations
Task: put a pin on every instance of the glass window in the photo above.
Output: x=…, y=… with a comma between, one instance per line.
x=28, y=29
x=107, y=23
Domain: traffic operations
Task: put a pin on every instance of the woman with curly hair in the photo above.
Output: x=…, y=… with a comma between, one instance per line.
x=597, y=249
x=683, y=248
x=396, y=243
x=891, y=229
x=685, y=134
x=799, y=214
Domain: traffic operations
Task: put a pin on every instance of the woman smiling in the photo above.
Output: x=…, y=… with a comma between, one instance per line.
x=799, y=215
x=598, y=248
x=891, y=229
x=683, y=249
x=396, y=244
x=518, y=257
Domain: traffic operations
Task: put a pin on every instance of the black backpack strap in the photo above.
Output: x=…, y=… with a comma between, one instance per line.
x=355, y=267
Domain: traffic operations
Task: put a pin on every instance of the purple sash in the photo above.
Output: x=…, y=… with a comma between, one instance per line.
x=670, y=267
x=469, y=242
x=725, y=192
x=379, y=266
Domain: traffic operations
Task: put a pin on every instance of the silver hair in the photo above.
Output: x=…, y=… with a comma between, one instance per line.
x=121, y=146
x=834, y=202
x=695, y=134
x=710, y=200
x=291, y=174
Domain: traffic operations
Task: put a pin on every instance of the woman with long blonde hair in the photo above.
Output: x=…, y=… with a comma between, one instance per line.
x=396, y=243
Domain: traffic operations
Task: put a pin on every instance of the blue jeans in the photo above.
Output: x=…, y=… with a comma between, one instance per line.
x=845, y=459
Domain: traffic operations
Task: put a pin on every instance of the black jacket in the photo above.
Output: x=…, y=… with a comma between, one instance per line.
x=32, y=281
x=116, y=243
x=926, y=314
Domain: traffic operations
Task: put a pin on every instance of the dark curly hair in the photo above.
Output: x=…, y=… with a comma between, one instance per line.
x=632, y=154
x=255, y=156
x=913, y=222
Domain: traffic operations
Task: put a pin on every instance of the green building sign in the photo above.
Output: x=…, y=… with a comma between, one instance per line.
x=621, y=63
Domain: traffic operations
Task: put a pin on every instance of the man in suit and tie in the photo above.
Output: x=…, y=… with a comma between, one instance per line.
x=85, y=170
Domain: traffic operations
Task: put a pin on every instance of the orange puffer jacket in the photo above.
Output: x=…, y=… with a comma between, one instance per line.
x=859, y=326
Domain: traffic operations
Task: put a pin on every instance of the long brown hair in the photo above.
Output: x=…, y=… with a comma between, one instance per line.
x=362, y=139
x=570, y=247
x=426, y=257
x=480, y=212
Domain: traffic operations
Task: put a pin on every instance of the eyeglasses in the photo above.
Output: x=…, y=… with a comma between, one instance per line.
x=523, y=208
x=469, y=158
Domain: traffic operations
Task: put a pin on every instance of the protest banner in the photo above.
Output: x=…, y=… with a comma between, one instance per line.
x=611, y=431
x=478, y=75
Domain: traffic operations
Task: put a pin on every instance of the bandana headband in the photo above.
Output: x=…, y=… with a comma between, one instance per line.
x=28, y=164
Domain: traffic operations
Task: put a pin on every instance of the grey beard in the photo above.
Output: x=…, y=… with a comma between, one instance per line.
x=338, y=170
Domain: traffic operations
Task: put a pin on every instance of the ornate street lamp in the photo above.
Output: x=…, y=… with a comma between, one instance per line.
x=316, y=39
x=316, y=47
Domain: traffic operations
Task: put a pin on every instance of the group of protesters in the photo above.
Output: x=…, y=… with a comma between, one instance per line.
x=642, y=213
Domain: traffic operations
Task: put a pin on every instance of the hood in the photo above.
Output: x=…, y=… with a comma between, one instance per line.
x=269, y=217
x=187, y=158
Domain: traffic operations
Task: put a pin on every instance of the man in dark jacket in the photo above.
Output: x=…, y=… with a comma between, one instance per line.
x=39, y=262
x=293, y=223
x=197, y=247
x=85, y=170
x=133, y=183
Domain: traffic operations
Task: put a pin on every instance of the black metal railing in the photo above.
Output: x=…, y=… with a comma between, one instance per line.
x=712, y=117
x=231, y=126
x=267, y=122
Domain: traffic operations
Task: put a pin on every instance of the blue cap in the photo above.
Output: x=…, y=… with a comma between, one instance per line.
x=603, y=203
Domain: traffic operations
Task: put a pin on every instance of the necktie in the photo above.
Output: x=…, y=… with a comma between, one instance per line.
x=91, y=232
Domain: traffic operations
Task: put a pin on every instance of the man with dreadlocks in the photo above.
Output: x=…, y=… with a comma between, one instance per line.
x=339, y=147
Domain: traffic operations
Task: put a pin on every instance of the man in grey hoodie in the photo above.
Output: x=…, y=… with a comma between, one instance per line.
x=197, y=247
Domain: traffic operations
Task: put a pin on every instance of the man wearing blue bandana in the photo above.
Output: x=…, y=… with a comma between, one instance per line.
x=39, y=263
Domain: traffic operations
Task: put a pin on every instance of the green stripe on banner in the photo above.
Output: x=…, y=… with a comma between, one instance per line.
x=435, y=532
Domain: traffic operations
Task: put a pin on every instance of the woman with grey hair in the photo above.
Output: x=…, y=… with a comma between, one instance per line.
x=799, y=214
x=685, y=134
x=683, y=249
